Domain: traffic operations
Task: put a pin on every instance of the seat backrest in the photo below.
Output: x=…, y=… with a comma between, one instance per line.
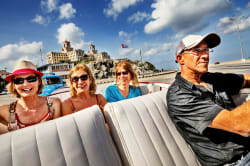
x=149, y=88
x=77, y=139
x=242, y=96
x=144, y=133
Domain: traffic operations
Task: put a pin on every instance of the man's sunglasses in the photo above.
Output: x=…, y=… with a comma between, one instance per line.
x=29, y=79
x=122, y=73
x=83, y=77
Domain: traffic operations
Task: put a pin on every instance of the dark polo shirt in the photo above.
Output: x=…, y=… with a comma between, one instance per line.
x=193, y=108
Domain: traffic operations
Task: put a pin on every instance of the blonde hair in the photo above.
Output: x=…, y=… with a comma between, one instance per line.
x=92, y=88
x=128, y=67
x=11, y=89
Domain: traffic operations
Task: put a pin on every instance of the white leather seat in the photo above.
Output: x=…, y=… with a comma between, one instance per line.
x=77, y=139
x=145, y=134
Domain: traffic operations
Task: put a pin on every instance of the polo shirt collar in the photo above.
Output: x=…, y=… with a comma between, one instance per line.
x=182, y=81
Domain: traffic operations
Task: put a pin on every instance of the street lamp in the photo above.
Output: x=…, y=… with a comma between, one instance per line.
x=142, y=65
x=238, y=29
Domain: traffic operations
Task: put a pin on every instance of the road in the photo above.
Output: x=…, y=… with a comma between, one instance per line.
x=240, y=68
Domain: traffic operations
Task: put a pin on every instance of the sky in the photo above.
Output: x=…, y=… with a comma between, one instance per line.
x=31, y=28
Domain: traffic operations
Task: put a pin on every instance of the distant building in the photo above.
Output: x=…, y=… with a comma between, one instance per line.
x=4, y=73
x=67, y=54
x=92, y=50
x=61, y=69
x=97, y=56
x=56, y=57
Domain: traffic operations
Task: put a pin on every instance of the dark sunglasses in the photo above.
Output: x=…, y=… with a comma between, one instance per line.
x=83, y=77
x=122, y=73
x=29, y=79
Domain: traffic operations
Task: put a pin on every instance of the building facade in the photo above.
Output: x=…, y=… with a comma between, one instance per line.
x=69, y=54
x=97, y=56
x=4, y=73
x=61, y=69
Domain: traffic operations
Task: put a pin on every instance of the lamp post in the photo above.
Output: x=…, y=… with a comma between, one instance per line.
x=238, y=29
x=142, y=65
x=5, y=77
x=41, y=55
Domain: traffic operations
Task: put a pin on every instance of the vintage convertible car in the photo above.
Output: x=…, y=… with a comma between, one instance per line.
x=141, y=134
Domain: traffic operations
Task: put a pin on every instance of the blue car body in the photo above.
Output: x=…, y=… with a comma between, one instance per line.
x=51, y=82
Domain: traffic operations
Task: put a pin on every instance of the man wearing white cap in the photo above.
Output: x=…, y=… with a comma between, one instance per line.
x=202, y=109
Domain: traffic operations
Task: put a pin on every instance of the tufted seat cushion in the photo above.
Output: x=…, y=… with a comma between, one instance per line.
x=144, y=133
x=77, y=139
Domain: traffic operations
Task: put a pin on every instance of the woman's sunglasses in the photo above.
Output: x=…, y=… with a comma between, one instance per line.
x=83, y=77
x=122, y=73
x=29, y=79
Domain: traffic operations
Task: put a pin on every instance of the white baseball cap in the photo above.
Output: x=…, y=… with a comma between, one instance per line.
x=191, y=41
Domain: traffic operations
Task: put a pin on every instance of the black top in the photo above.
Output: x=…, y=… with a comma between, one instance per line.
x=193, y=108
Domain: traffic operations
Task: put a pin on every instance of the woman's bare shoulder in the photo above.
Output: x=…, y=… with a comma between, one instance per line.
x=67, y=107
x=56, y=100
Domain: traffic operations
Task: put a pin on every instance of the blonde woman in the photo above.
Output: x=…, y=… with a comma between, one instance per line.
x=29, y=109
x=82, y=88
x=122, y=89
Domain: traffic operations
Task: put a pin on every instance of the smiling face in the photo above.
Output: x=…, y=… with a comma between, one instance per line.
x=123, y=77
x=81, y=85
x=26, y=88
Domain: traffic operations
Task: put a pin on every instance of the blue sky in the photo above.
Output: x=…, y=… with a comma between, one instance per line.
x=152, y=26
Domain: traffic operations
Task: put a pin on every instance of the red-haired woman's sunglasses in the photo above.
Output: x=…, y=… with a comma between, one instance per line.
x=122, y=73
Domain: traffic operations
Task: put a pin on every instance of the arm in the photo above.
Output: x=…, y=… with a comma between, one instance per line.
x=102, y=102
x=67, y=108
x=236, y=120
x=4, y=118
x=3, y=128
x=57, y=108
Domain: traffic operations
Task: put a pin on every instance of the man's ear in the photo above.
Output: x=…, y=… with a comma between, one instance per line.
x=180, y=59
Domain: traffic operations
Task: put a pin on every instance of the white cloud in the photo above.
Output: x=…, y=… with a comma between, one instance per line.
x=126, y=52
x=11, y=53
x=72, y=33
x=49, y=5
x=117, y=6
x=67, y=11
x=126, y=37
x=228, y=25
x=40, y=20
x=138, y=17
x=182, y=14
x=147, y=51
x=123, y=34
x=156, y=49
x=177, y=36
x=151, y=52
